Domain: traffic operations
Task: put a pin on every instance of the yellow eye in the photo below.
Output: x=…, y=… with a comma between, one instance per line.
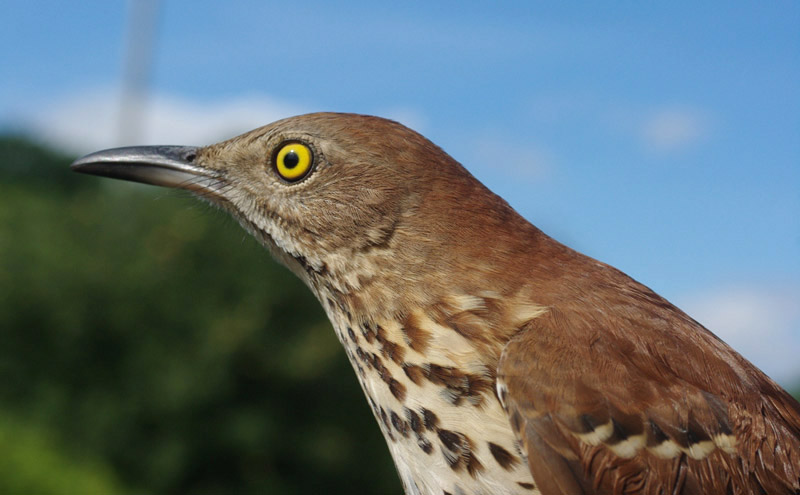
x=293, y=161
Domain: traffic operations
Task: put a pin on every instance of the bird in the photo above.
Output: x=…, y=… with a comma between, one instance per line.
x=495, y=359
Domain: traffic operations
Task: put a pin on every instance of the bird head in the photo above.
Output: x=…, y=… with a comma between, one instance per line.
x=343, y=200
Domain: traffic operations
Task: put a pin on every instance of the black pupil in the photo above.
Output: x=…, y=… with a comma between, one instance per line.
x=291, y=159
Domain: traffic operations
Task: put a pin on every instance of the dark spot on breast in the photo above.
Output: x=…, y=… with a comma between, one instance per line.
x=459, y=384
x=527, y=486
x=453, y=460
x=425, y=444
x=451, y=440
x=393, y=351
x=400, y=425
x=366, y=331
x=352, y=335
x=429, y=419
x=445, y=375
x=506, y=459
x=450, y=395
x=477, y=385
x=457, y=451
x=414, y=421
x=384, y=417
x=385, y=421
x=397, y=389
x=379, y=367
x=373, y=404
x=363, y=356
x=416, y=337
x=474, y=466
x=414, y=373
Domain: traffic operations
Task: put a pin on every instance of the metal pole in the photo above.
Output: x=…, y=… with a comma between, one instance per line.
x=140, y=44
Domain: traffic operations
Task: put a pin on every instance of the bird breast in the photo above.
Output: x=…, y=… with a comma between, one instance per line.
x=433, y=396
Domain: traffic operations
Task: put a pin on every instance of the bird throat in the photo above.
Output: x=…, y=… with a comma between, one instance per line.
x=430, y=384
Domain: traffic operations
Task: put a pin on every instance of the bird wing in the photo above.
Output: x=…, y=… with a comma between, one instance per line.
x=662, y=408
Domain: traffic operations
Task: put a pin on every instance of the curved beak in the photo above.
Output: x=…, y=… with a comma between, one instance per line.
x=169, y=166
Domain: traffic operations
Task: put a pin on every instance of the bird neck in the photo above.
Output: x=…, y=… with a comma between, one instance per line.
x=424, y=369
x=425, y=342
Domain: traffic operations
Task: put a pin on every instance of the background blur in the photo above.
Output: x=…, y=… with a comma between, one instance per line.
x=147, y=345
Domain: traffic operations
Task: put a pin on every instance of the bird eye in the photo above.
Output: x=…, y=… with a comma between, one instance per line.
x=293, y=161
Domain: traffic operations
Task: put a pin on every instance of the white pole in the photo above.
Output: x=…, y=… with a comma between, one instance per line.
x=140, y=42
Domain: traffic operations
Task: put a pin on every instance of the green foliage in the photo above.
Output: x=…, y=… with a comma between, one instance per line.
x=151, y=335
x=32, y=462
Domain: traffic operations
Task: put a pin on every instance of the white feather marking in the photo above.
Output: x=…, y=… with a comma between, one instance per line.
x=700, y=450
x=523, y=313
x=466, y=302
x=665, y=450
x=598, y=435
x=502, y=392
x=630, y=446
x=726, y=442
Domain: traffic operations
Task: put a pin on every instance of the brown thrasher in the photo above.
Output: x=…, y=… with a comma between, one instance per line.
x=496, y=360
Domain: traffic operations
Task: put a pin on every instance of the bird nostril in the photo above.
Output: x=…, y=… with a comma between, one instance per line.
x=191, y=156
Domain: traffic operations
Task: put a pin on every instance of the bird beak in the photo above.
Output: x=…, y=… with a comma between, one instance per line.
x=168, y=166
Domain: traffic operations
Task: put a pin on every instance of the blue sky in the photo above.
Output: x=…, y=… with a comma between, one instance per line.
x=664, y=140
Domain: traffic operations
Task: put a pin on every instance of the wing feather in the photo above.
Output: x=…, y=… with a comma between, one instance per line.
x=598, y=410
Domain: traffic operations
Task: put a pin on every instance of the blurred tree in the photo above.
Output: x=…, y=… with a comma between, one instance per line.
x=150, y=332
x=32, y=462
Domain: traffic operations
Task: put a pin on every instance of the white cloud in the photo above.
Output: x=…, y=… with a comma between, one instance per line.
x=675, y=128
x=761, y=323
x=660, y=128
x=89, y=121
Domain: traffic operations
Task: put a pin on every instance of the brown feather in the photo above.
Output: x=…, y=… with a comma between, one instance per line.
x=563, y=366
